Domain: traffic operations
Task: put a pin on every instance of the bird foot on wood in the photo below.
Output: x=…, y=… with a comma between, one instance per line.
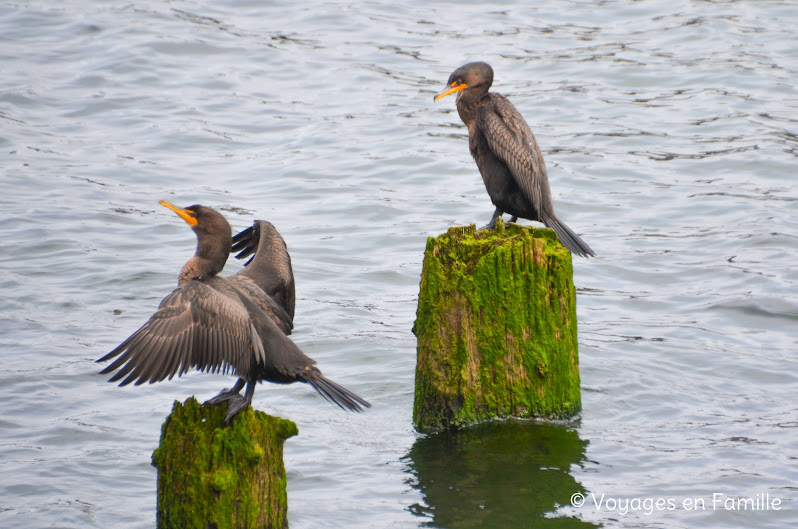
x=235, y=404
x=223, y=396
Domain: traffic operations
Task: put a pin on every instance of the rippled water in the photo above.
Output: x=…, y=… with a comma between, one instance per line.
x=670, y=130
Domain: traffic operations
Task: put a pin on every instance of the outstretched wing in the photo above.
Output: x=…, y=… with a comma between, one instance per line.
x=270, y=266
x=196, y=326
x=511, y=140
x=261, y=301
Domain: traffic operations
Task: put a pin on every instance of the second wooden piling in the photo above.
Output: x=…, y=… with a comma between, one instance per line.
x=496, y=328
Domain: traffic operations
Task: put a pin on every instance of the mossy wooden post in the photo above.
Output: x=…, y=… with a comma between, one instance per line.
x=496, y=328
x=216, y=476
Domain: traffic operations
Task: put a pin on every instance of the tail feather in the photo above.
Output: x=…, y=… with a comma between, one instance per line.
x=568, y=238
x=336, y=394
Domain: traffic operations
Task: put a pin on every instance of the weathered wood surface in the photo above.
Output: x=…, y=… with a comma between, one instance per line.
x=496, y=328
x=216, y=476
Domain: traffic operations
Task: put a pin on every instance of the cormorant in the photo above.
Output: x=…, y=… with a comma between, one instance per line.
x=506, y=153
x=238, y=323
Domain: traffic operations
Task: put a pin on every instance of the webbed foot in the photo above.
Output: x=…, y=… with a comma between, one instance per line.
x=226, y=394
x=492, y=224
x=235, y=404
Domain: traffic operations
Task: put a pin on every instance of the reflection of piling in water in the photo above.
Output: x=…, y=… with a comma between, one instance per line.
x=496, y=328
x=212, y=475
x=508, y=475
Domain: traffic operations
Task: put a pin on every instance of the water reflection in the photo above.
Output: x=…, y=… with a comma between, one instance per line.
x=512, y=474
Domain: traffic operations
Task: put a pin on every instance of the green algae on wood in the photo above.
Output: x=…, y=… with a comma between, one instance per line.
x=216, y=476
x=496, y=328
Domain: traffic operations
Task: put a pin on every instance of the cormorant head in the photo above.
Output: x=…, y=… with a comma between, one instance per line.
x=214, y=239
x=202, y=219
x=475, y=77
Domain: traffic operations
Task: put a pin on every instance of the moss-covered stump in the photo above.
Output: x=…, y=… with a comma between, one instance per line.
x=216, y=476
x=496, y=328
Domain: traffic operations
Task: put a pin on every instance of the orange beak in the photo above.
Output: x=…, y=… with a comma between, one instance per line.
x=452, y=89
x=185, y=214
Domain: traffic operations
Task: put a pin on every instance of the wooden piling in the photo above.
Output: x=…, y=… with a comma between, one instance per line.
x=496, y=328
x=221, y=477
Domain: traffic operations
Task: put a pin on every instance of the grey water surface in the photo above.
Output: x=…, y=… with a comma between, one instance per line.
x=670, y=131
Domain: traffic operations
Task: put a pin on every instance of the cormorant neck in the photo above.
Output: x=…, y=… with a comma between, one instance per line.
x=210, y=257
x=468, y=102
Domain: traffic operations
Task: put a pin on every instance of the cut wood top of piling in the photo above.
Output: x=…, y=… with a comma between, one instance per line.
x=460, y=243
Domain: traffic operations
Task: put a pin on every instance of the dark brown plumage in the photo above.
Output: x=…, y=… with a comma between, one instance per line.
x=506, y=153
x=238, y=324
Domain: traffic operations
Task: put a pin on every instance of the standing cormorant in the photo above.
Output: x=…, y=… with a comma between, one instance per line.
x=506, y=153
x=238, y=323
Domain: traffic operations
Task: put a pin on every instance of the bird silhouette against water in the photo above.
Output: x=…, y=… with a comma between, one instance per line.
x=506, y=153
x=236, y=324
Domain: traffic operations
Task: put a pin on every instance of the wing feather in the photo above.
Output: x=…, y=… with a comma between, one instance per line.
x=511, y=140
x=150, y=356
x=177, y=360
x=141, y=351
x=160, y=363
x=262, y=301
x=171, y=361
x=196, y=326
x=270, y=266
x=185, y=359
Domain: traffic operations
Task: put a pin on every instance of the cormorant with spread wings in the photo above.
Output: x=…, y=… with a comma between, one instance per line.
x=238, y=324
